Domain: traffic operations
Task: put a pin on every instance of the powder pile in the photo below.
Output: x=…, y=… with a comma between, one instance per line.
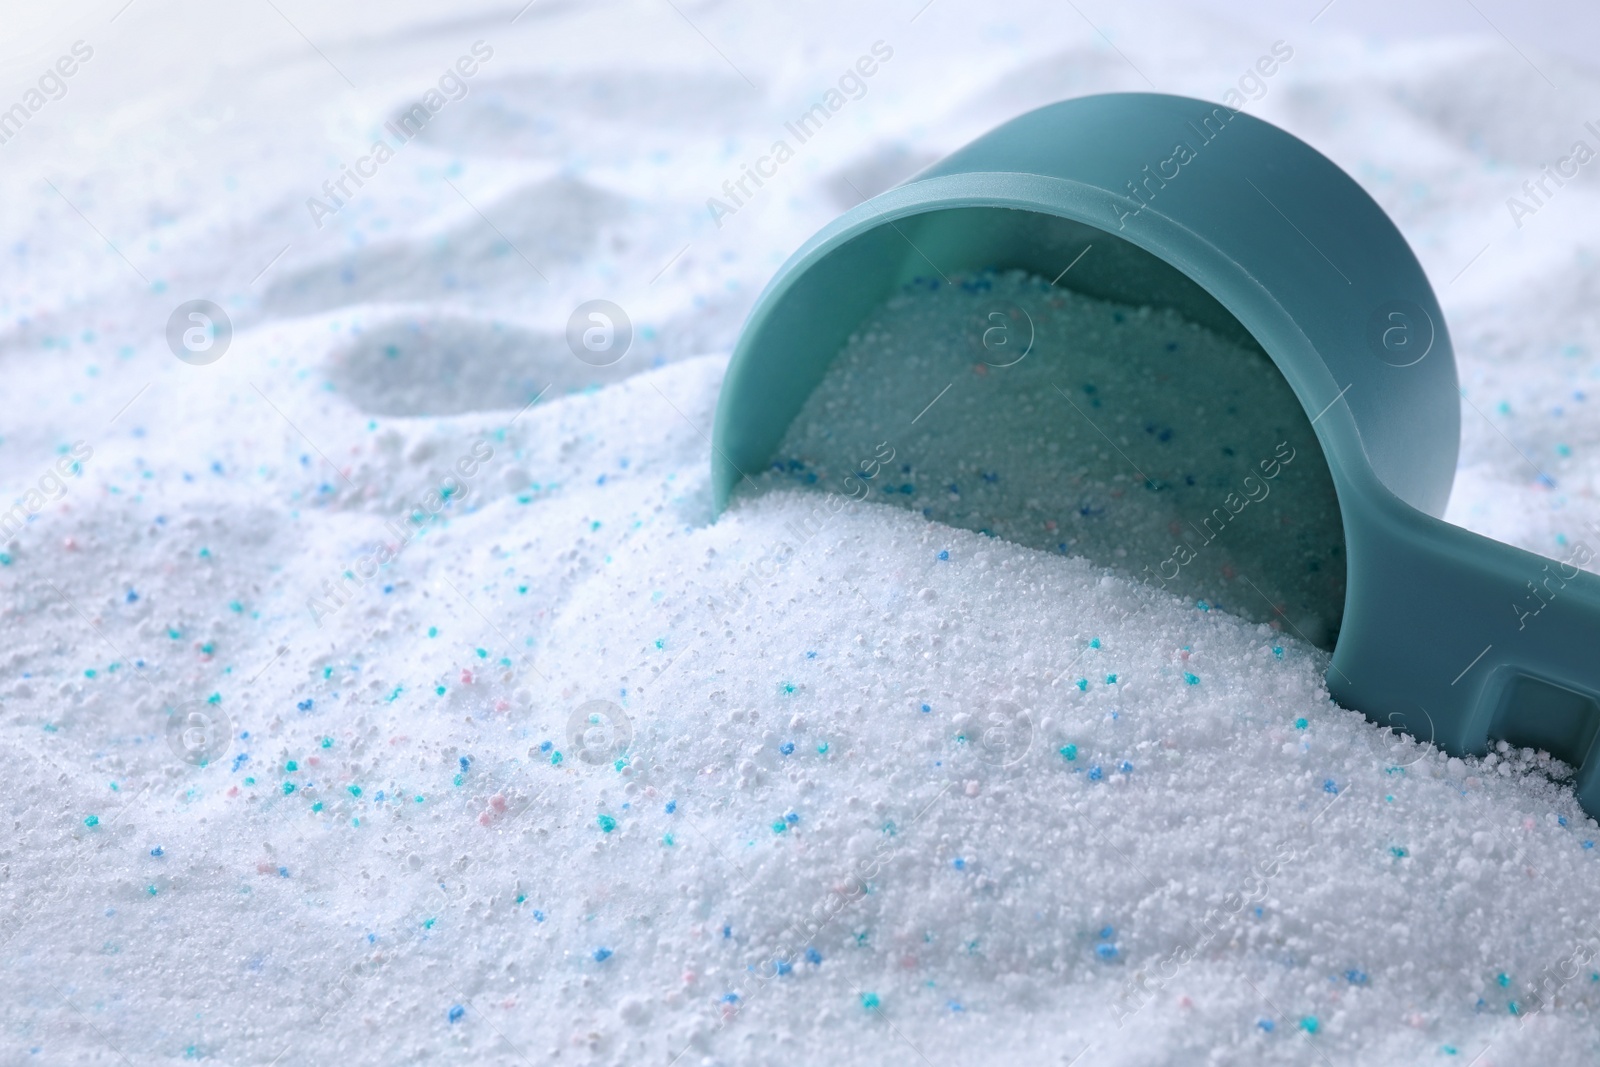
x=579, y=772
x=578, y=775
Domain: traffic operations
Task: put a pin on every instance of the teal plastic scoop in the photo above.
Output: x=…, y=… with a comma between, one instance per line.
x=1249, y=232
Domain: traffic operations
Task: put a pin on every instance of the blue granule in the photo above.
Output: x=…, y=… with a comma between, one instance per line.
x=1095, y=774
x=601, y=955
x=456, y=1012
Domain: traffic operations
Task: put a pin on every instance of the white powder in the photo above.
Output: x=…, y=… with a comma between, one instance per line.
x=1068, y=424
x=969, y=891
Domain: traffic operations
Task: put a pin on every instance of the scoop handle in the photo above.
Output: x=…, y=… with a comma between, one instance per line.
x=1463, y=640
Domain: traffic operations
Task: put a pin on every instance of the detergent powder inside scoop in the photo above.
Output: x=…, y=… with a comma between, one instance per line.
x=1000, y=402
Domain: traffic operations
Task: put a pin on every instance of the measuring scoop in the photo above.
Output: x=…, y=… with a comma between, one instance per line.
x=1244, y=229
